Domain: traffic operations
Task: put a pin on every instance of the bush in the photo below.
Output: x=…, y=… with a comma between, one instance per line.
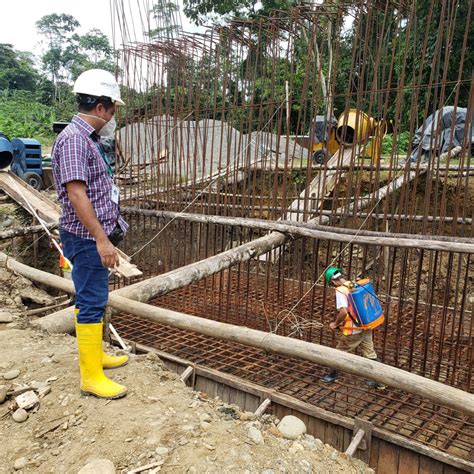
x=403, y=139
x=22, y=116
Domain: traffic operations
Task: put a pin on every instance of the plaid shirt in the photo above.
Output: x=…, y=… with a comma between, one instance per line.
x=76, y=157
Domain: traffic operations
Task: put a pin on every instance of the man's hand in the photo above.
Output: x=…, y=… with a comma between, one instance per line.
x=333, y=325
x=108, y=253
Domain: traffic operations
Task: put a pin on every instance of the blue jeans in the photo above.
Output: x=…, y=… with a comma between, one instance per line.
x=90, y=278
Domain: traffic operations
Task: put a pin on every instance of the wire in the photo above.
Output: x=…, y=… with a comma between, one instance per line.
x=219, y=175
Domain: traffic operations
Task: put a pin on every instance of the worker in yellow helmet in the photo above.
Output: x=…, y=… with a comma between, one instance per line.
x=352, y=336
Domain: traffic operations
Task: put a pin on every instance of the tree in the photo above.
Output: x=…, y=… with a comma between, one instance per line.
x=59, y=31
x=96, y=45
x=16, y=70
x=200, y=11
x=68, y=54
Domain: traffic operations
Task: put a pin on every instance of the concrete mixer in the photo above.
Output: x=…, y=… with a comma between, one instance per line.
x=22, y=156
x=352, y=127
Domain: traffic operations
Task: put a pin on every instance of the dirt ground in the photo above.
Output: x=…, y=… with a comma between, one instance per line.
x=160, y=422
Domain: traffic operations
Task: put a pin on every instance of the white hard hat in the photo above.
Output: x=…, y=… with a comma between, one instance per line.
x=97, y=82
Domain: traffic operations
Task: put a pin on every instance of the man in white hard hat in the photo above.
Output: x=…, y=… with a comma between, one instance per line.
x=90, y=223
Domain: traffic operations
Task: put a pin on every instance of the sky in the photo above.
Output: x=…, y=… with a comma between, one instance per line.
x=19, y=18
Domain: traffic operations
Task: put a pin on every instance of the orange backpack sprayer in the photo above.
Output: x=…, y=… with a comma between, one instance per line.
x=364, y=305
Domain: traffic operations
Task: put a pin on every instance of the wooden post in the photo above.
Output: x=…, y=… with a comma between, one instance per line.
x=187, y=373
x=354, y=445
x=361, y=440
x=263, y=407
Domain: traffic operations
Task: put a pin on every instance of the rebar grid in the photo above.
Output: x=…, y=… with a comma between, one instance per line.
x=391, y=409
x=212, y=118
x=222, y=123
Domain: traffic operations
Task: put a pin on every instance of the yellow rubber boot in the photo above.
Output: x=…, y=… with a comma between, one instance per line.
x=93, y=380
x=109, y=361
x=113, y=362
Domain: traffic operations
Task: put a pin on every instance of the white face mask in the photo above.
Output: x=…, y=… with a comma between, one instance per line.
x=108, y=128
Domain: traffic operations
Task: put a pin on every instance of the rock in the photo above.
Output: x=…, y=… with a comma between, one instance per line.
x=334, y=455
x=205, y=417
x=319, y=444
x=7, y=222
x=43, y=391
x=161, y=450
x=295, y=448
x=306, y=466
x=98, y=466
x=20, y=415
x=308, y=442
x=27, y=400
x=6, y=317
x=46, y=361
x=267, y=471
x=291, y=427
x=3, y=393
x=205, y=425
x=255, y=435
x=18, y=300
x=11, y=374
x=274, y=431
x=20, y=463
x=247, y=416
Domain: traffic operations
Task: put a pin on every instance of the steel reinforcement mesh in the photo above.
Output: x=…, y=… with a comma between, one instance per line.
x=236, y=298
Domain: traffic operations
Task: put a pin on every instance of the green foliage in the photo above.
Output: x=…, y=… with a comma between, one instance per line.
x=22, y=116
x=402, y=141
x=68, y=54
x=200, y=11
x=16, y=70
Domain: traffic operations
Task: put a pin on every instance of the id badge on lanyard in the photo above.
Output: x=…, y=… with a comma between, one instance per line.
x=115, y=191
x=115, y=194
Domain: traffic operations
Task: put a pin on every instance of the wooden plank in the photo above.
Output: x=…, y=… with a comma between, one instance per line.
x=363, y=451
x=430, y=466
x=408, y=462
x=27, y=196
x=335, y=436
x=450, y=470
x=388, y=458
x=316, y=428
x=374, y=454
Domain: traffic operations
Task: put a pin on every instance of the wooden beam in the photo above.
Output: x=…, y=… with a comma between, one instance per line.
x=354, y=445
x=27, y=196
x=317, y=231
x=62, y=321
x=11, y=233
x=187, y=373
x=435, y=391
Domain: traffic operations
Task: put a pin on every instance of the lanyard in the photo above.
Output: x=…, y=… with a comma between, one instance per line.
x=110, y=171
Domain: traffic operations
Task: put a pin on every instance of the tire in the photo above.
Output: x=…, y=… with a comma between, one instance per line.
x=320, y=156
x=33, y=179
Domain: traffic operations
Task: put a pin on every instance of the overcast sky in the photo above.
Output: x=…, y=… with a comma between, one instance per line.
x=19, y=18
